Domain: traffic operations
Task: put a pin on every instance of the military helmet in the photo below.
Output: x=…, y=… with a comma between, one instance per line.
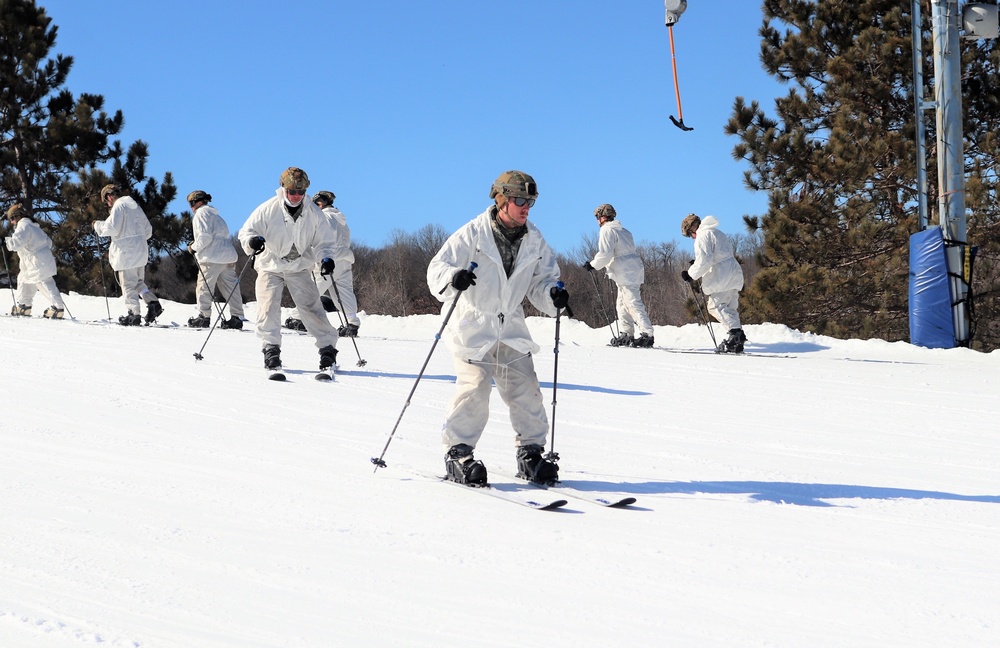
x=605, y=210
x=326, y=197
x=294, y=178
x=513, y=184
x=110, y=190
x=199, y=196
x=690, y=224
x=16, y=211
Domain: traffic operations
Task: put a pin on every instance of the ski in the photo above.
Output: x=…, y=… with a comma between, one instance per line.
x=752, y=354
x=500, y=491
x=611, y=500
x=275, y=374
x=326, y=375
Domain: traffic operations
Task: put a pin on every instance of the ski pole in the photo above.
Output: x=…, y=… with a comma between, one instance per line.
x=343, y=315
x=600, y=300
x=239, y=279
x=704, y=316
x=552, y=455
x=104, y=281
x=679, y=123
x=3, y=247
x=378, y=461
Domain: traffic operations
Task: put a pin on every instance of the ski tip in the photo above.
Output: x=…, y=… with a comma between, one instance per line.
x=324, y=377
x=276, y=376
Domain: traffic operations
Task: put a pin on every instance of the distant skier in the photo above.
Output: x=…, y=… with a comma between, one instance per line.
x=291, y=235
x=128, y=254
x=720, y=274
x=342, y=276
x=488, y=334
x=616, y=252
x=38, y=266
x=216, y=258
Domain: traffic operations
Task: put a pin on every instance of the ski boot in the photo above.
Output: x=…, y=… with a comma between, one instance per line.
x=199, y=321
x=20, y=310
x=644, y=341
x=623, y=340
x=232, y=323
x=132, y=319
x=153, y=310
x=327, y=357
x=348, y=330
x=53, y=313
x=295, y=324
x=462, y=468
x=531, y=465
x=272, y=356
x=733, y=342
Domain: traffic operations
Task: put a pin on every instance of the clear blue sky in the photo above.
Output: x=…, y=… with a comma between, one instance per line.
x=409, y=110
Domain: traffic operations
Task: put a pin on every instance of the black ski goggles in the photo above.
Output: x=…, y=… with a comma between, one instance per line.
x=521, y=202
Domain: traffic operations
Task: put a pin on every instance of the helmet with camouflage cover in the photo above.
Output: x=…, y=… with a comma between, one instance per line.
x=513, y=184
x=199, y=196
x=16, y=211
x=110, y=190
x=325, y=197
x=294, y=178
x=605, y=210
x=690, y=224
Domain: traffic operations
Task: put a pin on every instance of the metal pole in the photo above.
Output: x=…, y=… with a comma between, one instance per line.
x=951, y=169
x=919, y=106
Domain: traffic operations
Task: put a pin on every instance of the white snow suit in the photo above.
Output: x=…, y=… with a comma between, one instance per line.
x=128, y=253
x=343, y=275
x=292, y=247
x=216, y=256
x=616, y=252
x=37, y=265
x=719, y=271
x=487, y=332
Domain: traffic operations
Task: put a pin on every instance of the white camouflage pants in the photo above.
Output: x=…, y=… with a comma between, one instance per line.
x=725, y=307
x=224, y=276
x=632, y=312
x=26, y=292
x=517, y=384
x=133, y=285
x=303, y=290
x=343, y=275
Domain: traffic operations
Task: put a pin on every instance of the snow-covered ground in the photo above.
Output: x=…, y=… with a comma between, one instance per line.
x=848, y=495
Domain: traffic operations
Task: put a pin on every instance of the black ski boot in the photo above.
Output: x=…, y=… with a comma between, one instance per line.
x=132, y=319
x=348, y=330
x=53, y=313
x=327, y=357
x=644, y=341
x=272, y=356
x=232, y=323
x=462, y=468
x=295, y=324
x=153, y=310
x=623, y=340
x=734, y=342
x=531, y=465
x=199, y=321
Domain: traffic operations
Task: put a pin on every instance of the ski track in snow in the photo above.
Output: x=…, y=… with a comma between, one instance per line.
x=844, y=497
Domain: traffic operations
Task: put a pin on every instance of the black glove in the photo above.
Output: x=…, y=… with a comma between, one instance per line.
x=326, y=266
x=463, y=279
x=560, y=298
x=685, y=276
x=588, y=267
x=256, y=244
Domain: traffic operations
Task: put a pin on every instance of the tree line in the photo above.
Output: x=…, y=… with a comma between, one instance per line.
x=836, y=160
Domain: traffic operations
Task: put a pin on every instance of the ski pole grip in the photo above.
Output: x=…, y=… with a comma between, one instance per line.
x=560, y=285
x=473, y=265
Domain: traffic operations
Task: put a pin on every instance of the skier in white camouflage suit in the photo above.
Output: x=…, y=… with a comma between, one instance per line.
x=290, y=235
x=720, y=274
x=38, y=266
x=488, y=334
x=128, y=253
x=616, y=252
x=216, y=259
